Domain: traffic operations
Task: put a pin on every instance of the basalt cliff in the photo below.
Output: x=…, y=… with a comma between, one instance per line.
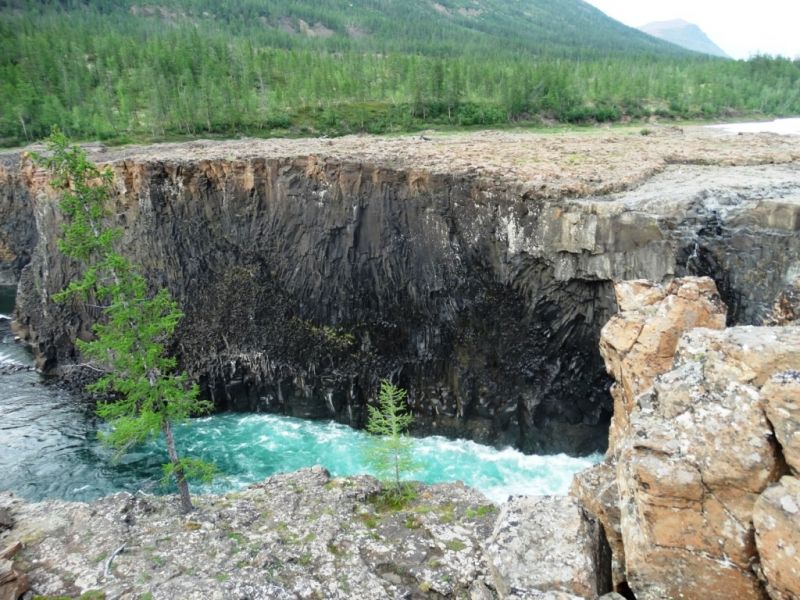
x=474, y=270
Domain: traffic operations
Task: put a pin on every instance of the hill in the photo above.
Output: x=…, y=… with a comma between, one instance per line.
x=122, y=70
x=428, y=27
x=684, y=34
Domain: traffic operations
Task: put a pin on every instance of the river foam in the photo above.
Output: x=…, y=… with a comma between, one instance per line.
x=248, y=448
x=49, y=448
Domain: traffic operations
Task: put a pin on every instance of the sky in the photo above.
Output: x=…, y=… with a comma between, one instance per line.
x=740, y=27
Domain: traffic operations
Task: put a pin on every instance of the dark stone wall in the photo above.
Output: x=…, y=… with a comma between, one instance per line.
x=304, y=281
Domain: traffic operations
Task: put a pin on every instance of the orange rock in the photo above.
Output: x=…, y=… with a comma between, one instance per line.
x=639, y=343
x=697, y=454
x=781, y=400
x=777, y=522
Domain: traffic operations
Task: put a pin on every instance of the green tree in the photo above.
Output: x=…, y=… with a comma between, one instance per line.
x=390, y=452
x=144, y=394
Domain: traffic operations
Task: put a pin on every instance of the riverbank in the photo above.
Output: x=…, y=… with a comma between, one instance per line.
x=305, y=535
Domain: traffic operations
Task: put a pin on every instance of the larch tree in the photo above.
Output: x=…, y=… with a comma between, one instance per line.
x=143, y=394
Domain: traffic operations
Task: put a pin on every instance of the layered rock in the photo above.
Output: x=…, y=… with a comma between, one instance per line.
x=685, y=478
x=17, y=223
x=474, y=270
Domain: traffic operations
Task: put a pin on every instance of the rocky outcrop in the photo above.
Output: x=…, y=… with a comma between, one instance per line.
x=475, y=271
x=548, y=544
x=303, y=535
x=597, y=491
x=700, y=452
x=639, y=343
x=682, y=492
x=780, y=398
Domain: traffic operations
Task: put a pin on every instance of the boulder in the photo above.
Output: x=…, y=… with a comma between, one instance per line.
x=786, y=309
x=781, y=400
x=698, y=453
x=547, y=544
x=638, y=344
x=596, y=488
x=777, y=522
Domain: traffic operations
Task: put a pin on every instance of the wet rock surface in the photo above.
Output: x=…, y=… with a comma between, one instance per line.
x=475, y=270
x=300, y=535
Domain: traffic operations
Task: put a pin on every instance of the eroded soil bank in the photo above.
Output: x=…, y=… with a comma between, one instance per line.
x=475, y=270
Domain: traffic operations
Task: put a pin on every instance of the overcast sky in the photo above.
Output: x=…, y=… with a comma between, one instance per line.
x=741, y=28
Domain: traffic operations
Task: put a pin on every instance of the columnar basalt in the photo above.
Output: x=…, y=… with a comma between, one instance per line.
x=17, y=225
x=310, y=269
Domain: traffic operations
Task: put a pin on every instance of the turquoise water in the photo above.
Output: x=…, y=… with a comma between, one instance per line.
x=49, y=447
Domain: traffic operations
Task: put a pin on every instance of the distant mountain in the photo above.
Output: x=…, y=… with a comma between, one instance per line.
x=684, y=34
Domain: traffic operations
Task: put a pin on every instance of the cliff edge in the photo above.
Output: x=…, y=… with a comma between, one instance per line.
x=475, y=270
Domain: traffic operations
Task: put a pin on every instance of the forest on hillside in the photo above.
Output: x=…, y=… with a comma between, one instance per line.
x=121, y=71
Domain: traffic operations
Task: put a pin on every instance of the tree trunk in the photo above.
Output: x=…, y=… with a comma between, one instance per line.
x=180, y=478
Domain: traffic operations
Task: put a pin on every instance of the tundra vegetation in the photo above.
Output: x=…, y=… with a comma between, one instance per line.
x=142, y=394
x=124, y=70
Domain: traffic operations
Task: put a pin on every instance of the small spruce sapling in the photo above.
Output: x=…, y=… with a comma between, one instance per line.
x=145, y=396
x=390, y=452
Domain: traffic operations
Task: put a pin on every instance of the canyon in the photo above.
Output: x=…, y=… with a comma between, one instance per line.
x=475, y=270
x=697, y=499
x=633, y=292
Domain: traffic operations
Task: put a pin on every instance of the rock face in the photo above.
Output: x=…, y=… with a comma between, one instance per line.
x=596, y=489
x=780, y=398
x=301, y=535
x=548, y=544
x=477, y=279
x=700, y=452
x=777, y=522
x=639, y=343
x=681, y=495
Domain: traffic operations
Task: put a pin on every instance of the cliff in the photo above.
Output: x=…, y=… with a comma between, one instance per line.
x=698, y=494
x=475, y=270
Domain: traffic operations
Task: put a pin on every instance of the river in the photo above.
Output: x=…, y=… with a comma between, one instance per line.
x=780, y=126
x=49, y=447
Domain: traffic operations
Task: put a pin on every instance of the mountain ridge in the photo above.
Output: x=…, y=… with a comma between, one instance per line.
x=685, y=34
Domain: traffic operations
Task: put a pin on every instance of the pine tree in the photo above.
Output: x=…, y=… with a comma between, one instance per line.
x=145, y=395
x=391, y=452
